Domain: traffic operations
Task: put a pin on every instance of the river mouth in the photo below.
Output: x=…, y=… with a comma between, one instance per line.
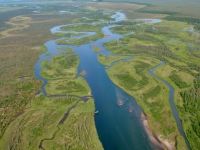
x=118, y=118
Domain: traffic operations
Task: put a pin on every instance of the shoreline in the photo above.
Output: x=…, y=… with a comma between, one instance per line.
x=158, y=143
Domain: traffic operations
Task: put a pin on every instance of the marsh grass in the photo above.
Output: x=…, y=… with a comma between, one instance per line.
x=27, y=117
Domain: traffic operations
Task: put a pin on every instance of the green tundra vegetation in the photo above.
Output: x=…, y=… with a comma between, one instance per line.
x=191, y=107
x=82, y=28
x=79, y=41
x=30, y=120
x=177, y=45
x=70, y=126
x=190, y=20
x=109, y=61
x=61, y=75
x=43, y=125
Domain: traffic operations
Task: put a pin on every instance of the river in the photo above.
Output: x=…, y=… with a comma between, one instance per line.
x=118, y=121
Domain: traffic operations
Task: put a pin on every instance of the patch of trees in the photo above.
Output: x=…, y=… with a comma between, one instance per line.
x=127, y=80
x=194, y=67
x=153, y=11
x=197, y=82
x=191, y=104
x=140, y=68
x=152, y=92
x=127, y=23
x=190, y=20
x=197, y=26
x=177, y=80
x=159, y=52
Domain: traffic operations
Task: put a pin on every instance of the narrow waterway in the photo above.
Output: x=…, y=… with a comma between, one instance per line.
x=171, y=102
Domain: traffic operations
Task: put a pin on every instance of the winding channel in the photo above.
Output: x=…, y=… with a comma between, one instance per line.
x=171, y=101
x=118, y=122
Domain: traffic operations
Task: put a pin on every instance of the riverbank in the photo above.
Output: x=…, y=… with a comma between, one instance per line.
x=150, y=95
x=155, y=139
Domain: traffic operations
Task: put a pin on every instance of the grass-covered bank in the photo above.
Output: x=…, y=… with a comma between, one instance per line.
x=151, y=95
x=63, y=120
x=42, y=126
x=81, y=30
x=61, y=75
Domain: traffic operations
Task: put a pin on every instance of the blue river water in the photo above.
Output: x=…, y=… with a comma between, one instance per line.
x=118, y=121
